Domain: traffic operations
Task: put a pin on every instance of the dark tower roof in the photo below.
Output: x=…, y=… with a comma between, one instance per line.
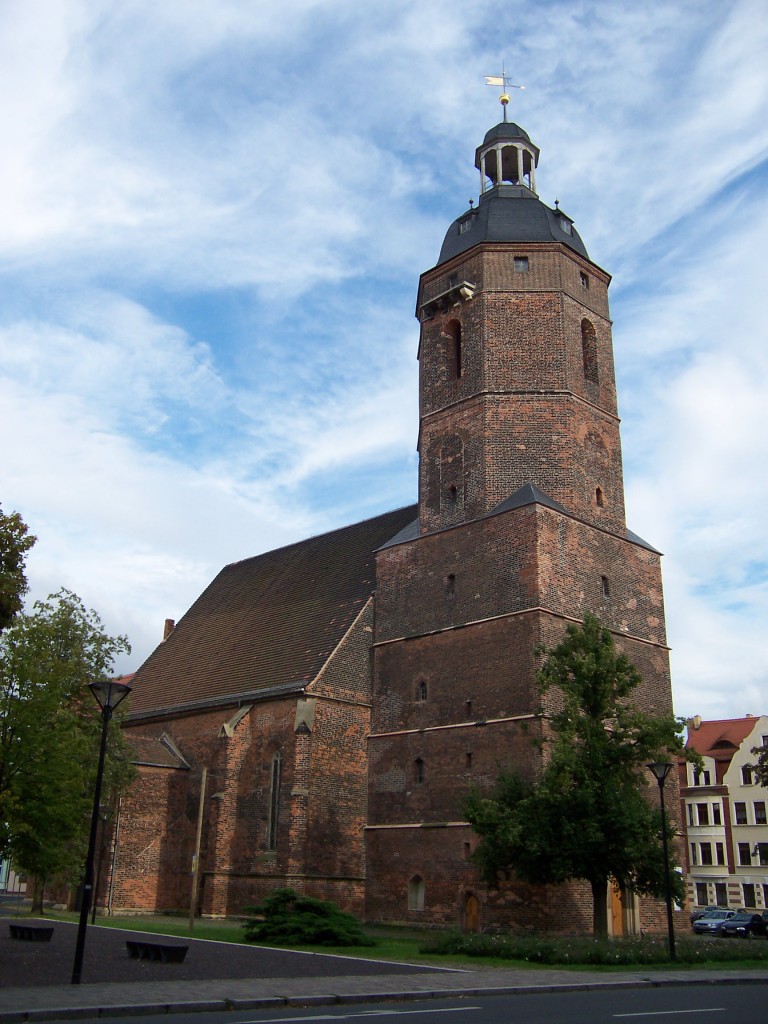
x=509, y=209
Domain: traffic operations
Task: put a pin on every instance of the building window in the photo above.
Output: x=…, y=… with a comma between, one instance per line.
x=745, y=857
x=467, y=851
x=721, y=894
x=452, y=331
x=760, y=818
x=565, y=225
x=716, y=819
x=468, y=760
x=703, y=811
x=762, y=856
x=693, y=854
x=421, y=691
x=589, y=351
x=450, y=584
x=706, y=853
x=599, y=497
x=691, y=819
x=465, y=225
x=700, y=778
x=605, y=586
x=274, y=802
x=418, y=771
x=740, y=814
x=468, y=708
x=748, y=890
x=584, y=279
x=720, y=852
x=521, y=264
x=416, y=893
x=765, y=894
x=746, y=775
x=701, y=894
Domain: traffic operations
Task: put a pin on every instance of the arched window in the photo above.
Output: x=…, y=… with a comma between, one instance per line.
x=274, y=801
x=452, y=331
x=418, y=771
x=589, y=351
x=416, y=893
x=421, y=691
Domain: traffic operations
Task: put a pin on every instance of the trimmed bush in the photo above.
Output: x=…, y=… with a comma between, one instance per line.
x=554, y=950
x=288, y=918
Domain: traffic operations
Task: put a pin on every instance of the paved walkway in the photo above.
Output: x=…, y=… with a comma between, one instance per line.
x=258, y=978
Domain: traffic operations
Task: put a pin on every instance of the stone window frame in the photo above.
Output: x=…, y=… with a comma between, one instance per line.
x=273, y=818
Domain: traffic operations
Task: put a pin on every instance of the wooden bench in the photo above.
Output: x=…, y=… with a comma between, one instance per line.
x=31, y=932
x=139, y=949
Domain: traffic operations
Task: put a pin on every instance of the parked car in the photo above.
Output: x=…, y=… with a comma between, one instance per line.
x=701, y=911
x=711, y=922
x=745, y=924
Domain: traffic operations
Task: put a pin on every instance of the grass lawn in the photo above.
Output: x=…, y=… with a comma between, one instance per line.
x=407, y=944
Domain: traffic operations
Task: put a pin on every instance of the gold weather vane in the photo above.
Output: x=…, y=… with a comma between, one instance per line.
x=503, y=82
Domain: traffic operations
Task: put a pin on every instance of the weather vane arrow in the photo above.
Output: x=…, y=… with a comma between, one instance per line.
x=504, y=83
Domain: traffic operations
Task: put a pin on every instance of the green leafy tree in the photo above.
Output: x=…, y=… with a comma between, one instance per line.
x=50, y=728
x=760, y=766
x=588, y=816
x=15, y=542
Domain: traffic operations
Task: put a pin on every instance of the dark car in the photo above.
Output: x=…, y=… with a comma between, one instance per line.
x=711, y=922
x=744, y=924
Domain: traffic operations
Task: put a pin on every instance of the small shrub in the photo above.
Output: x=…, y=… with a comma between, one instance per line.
x=288, y=918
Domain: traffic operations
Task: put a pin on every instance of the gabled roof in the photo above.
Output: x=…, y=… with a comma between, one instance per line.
x=720, y=739
x=265, y=625
x=157, y=752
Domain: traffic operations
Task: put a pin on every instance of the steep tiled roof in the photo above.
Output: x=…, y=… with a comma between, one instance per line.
x=266, y=624
x=158, y=752
x=720, y=739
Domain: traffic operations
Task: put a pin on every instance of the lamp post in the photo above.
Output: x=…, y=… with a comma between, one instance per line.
x=108, y=694
x=661, y=770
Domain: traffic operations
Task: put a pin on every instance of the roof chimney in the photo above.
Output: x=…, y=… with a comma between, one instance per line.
x=168, y=628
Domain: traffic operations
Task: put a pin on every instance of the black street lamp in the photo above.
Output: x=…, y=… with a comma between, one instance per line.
x=661, y=770
x=108, y=694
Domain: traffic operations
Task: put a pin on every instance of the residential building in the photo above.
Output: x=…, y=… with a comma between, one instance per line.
x=724, y=811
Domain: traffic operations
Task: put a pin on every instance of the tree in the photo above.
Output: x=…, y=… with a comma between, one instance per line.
x=15, y=542
x=50, y=729
x=760, y=766
x=588, y=815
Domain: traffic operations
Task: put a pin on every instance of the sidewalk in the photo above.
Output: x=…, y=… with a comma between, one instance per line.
x=104, y=1000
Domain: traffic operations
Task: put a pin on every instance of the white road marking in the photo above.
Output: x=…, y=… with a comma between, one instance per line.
x=365, y=1013
x=662, y=1013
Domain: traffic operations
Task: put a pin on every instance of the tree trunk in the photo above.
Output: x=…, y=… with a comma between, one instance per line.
x=38, y=886
x=599, y=907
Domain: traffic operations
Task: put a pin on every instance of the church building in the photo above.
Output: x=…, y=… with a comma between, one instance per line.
x=317, y=717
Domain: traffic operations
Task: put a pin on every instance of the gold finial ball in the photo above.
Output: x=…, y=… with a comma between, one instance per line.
x=504, y=99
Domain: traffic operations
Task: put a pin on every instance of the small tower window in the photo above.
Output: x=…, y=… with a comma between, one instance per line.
x=605, y=586
x=521, y=264
x=418, y=771
x=589, y=351
x=468, y=760
x=421, y=691
x=468, y=708
x=584, y=280
x=450, y=584
x=599, y=501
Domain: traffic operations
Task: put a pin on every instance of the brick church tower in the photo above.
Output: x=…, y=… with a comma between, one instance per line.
x=521, y=530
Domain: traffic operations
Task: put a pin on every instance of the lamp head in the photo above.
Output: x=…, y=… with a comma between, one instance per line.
x=109, y=693
x=661, y=770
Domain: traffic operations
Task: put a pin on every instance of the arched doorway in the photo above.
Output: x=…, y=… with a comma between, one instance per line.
x=471, y=913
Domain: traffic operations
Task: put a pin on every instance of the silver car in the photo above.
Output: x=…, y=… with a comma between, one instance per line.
x=709, y=923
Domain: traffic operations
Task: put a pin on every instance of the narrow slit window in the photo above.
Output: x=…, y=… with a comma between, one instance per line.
x=418, y=771
x=599, y=499
x=452, y=331
x=605, y=586
x=450, y=584
x=421, y=691
x=274, y=802
x=589, y=351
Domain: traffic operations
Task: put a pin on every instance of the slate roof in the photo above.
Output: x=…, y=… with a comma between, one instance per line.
x=265, y=625
x=720, y=739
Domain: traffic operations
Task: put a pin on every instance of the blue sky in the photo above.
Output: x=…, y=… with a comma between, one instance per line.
x=215, y=213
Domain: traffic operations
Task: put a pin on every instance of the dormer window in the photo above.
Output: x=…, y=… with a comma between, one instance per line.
x=566, y=226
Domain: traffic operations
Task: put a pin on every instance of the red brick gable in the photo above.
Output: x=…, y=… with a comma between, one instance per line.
x=267, y=624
